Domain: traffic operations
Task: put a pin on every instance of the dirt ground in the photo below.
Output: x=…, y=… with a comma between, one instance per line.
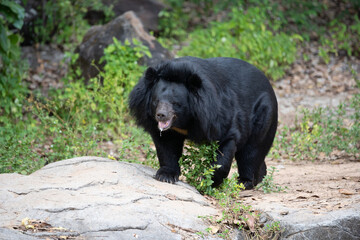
x=318, y=187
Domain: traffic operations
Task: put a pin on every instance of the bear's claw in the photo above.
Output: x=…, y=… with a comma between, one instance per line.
x=164, y=175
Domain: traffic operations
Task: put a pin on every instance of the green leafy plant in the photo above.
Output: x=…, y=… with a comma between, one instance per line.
x=196, y=165
x=102, y=103
x=173, y=24
x=77, y=119
x=12, y=68
x=322, y=133
x=340, y=37
x=267, y=185
x=245, y=36
x=177, y=20
x=197, y=168
x=236, y=214
x=274, y=229
x=18, y=144
x=67, y=138
x=293, y=15
x=64, y=22
x=122, y=70
x=104, y=99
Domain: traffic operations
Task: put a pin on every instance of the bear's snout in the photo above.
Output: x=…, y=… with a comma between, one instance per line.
x=164, y=111
x=164, y=115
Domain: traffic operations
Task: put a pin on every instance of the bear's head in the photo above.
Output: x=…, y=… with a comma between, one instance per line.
x=171, y=90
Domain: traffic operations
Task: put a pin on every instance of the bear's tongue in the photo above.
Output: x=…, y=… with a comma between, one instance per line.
x=164, y=125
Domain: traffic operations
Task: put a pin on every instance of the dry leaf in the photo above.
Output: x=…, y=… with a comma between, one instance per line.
x=322, y=155
x=27, y=223
x=250, y=221
x=171, y=197
x=218, y=218
x=214, y=229
x=237, y=222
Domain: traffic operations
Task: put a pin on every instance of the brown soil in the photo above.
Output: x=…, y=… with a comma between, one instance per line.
x=318, y=187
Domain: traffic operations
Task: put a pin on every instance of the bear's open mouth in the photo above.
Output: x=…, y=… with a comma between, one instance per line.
x=165, y=125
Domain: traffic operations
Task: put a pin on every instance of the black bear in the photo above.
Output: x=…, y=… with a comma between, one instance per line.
x=217, y=99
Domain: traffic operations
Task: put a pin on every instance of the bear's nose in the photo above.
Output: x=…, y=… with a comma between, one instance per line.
x=163, y=111
x=161, y=115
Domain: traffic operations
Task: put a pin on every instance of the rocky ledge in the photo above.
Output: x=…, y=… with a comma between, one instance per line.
x=98, y=198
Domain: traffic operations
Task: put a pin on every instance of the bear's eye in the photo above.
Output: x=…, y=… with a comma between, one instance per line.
x=176, y=104
x=155, y=103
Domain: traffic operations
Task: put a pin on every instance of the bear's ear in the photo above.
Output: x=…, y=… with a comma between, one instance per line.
x=151, y=75
x=194, y=82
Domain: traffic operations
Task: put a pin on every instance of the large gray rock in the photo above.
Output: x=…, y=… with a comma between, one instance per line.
x=298, y=224
x=98, y=198
x=147, y=10
x=126, y=26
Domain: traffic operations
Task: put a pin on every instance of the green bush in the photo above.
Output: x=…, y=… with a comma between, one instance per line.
x=176, y=21
x=196, y=165
x=18, y=145
x=104, y=99
x=321, y=133
x=12, y=68
x=294, y=15
x=122, y=70
x=340, y=37
x=101, y=105
x=245, y=36
x=64, y=21
x=267, y=185
x=237, y=215
x=77, y=119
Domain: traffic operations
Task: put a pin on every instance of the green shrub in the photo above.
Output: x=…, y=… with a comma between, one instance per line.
x=245, y=36
x=237, y=215
x=294, y=15
x=267, y=185
x=64, y=21
x=173, y=24
x=101, y=106
x=196, y=165
x=322, y=133
x=18, y=144
x=104, y=99
x=340, y=37
x=176, y=21
x=122, y=70
x=78, y=118
x=27, y=146
x=12, y=68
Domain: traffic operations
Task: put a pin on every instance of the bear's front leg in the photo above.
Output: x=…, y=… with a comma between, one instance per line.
x=225, y=157
x=169, y=148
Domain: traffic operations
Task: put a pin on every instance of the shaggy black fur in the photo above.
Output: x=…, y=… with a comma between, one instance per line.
x=215, y=99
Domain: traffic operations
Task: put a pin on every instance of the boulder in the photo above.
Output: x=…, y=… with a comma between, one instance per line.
x=126, y=26
x=98, y=198
x=147, y=10
x=297, y=224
